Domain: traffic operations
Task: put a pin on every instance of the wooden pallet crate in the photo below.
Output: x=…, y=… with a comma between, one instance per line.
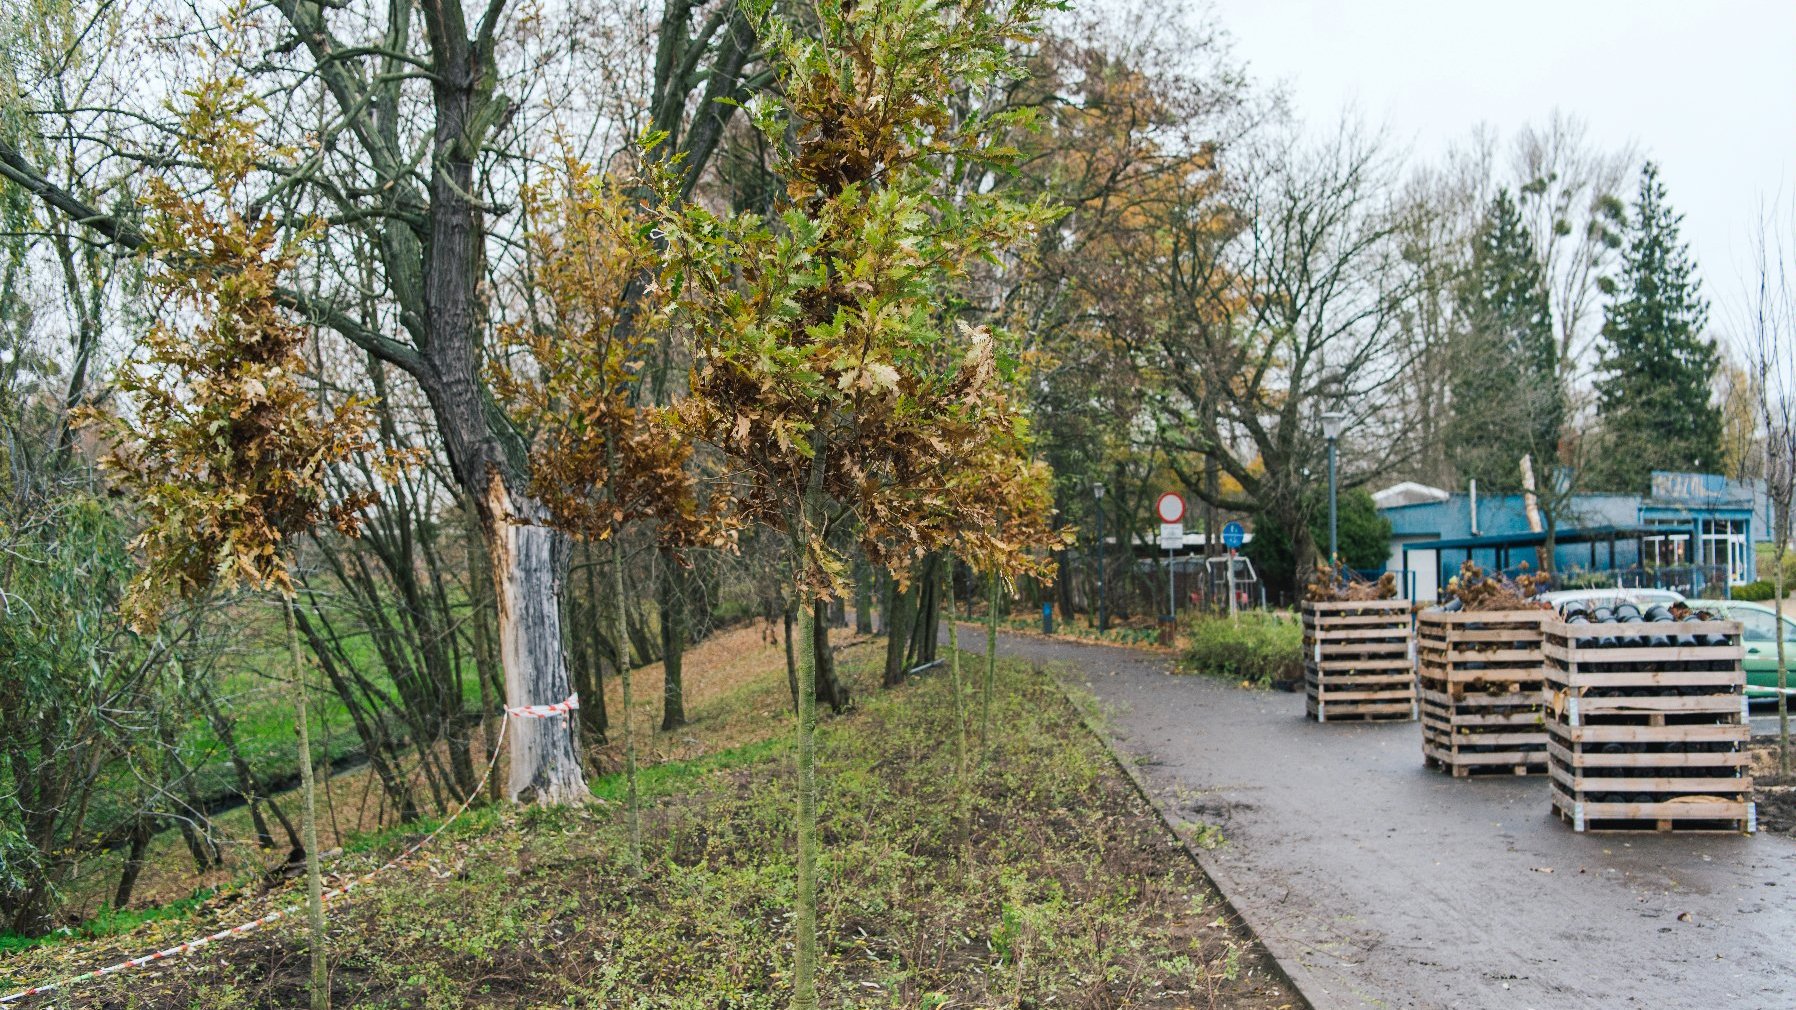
x=1359, y=660
x=1647, y=738
x=1479, y=674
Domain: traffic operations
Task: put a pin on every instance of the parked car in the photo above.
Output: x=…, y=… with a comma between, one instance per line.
x=1758, y=633
x=1593, y=597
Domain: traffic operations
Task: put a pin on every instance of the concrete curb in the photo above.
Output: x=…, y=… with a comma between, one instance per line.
x=1284, y=956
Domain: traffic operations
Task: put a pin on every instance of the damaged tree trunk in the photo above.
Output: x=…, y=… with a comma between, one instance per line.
x=545, y=763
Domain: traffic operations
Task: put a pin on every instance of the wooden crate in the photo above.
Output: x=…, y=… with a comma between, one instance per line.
x=1479, y=676
x=1358, y=660
x=1647, y=738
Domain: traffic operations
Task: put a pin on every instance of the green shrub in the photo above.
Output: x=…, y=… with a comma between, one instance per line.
x=1756, y=592
x=1259, y=647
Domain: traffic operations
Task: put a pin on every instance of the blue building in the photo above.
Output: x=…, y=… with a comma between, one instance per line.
x=1693, y=532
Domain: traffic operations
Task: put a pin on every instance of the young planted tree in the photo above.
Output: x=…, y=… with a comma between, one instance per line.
x=600, y=458
x=1772, y=328
x=831, y=366
x=222, y=445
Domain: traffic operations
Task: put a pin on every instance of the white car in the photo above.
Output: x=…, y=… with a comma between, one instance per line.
x=1595, y=597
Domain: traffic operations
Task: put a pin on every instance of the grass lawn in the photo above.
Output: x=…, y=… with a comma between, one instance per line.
x=1037, y=879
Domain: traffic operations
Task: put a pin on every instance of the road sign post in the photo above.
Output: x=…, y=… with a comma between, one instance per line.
x=1171, y=511
x=1170, y=507
x=1234, y=614
x=1233, y=536
x=1172, y=537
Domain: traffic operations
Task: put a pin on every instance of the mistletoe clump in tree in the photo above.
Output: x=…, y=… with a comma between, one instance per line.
x=601, y=456
x=224, y=448
x=832, y=365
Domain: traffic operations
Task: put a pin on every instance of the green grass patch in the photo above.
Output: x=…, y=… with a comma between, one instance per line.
x=109, y=922
x=672, y=777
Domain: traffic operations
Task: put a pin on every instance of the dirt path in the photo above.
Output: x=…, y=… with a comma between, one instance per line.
x=1381, y=884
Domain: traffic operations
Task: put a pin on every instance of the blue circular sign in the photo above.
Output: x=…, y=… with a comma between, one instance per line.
x=1233, y=536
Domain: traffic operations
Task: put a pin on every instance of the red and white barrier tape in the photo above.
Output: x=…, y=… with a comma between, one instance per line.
x=545, y=711
x=178, y=949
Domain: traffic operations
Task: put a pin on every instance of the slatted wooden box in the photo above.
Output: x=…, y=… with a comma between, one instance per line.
x=1648, y=738
x=1358, y=659
x=1479, y=674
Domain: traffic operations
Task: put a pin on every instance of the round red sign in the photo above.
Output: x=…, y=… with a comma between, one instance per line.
x=1171, y=507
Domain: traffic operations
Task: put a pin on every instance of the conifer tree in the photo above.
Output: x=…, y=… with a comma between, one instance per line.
x=1507, y=400
x=1654, y=384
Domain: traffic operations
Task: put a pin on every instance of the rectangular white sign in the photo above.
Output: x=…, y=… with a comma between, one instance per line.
x=1172, y=536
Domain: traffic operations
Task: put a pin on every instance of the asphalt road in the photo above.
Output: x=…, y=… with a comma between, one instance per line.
x=1382, y=884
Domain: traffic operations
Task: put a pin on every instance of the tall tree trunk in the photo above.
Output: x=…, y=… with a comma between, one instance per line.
x=926, y=625
x=321, y=995
x=141, y=833
x=545, y=763
x=804, y=983
x=482, y=616
x=828, y=686
x=789, y=618
x=804, y=966
x=1782, y=532
x=899, y=614
x=991, y=661
x=633, y=810
x=863, y=596
x=673, y=643
x=597, y=720
x=960, y=714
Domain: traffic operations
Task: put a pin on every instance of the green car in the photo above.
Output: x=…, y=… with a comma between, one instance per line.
x=1758, y=623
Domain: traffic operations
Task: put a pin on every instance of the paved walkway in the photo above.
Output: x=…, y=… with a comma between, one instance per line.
x=1381, y=884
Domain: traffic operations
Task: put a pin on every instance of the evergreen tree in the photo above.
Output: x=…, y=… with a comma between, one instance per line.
x=1506, y=398
x=1654, y=387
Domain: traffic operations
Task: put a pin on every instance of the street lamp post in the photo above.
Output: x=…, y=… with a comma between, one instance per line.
x=1097, y=492
x=1331, y=430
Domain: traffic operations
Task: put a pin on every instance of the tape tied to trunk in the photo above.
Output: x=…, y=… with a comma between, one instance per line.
x=545, y=711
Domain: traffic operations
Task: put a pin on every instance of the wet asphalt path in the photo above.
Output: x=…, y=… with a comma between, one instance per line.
x=1393, y=886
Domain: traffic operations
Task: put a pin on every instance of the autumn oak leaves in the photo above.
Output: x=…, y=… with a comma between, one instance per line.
x=848, y=378
x=834, y=364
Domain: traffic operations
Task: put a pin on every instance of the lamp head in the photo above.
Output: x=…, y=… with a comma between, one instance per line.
x=1332, y=422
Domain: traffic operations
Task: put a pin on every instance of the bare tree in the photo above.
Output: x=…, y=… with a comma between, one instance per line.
x=1569, y=198
x=1772, y=347
x=1285, y=302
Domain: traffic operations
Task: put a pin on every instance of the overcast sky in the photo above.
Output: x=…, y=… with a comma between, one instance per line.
x=1707, y=88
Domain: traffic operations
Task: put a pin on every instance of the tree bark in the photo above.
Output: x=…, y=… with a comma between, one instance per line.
x=991, y=662
x=789, y=619
x=545, y=763
x=828, y=687
x=899, y=614
x=633, y=810
x=673, y=643
x=141, y=833
x=863, y=597
x=320, y=988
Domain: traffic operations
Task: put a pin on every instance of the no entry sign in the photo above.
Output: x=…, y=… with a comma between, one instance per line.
x=1170, y=507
